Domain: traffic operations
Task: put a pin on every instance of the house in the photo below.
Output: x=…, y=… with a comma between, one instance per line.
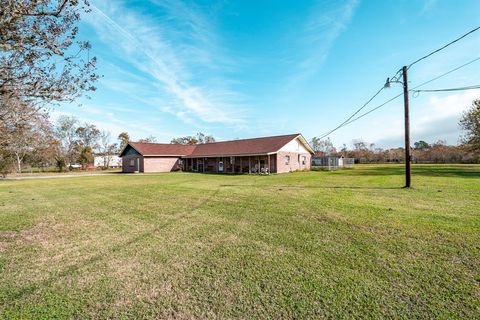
x=258, y=155
x=110, y=161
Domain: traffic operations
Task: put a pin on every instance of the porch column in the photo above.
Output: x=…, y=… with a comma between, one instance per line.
x=249, y=164
x=203, y=167
x=258, y=161
x=233, y=164
x=269, y=169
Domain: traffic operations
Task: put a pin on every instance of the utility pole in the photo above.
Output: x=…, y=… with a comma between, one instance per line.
x=408, y=169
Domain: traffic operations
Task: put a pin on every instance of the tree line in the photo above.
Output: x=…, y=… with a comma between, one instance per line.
x=468, y=151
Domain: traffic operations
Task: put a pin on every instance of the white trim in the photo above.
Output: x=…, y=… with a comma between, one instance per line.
x=303, y=141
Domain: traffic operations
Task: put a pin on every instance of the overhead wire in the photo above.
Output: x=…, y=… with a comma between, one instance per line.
x=351, y=119
x=443, y=47
x=355, y=113
x=449, y=89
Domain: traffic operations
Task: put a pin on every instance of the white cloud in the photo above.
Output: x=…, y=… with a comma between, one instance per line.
x=320, y=32
x=437, y=119
x=143, y=43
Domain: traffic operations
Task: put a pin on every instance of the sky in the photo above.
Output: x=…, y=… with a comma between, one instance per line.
x=241, y=69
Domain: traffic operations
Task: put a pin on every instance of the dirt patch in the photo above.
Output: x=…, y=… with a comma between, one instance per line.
x=44, y=234
x=6, y=237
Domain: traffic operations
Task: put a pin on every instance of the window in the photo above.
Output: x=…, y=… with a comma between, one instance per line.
x=132, y=162
x=287, y=159
x=304, y=160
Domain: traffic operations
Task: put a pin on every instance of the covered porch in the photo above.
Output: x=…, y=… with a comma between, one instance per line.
x=260, y=164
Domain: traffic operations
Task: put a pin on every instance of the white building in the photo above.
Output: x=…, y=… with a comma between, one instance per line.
x=101, y=161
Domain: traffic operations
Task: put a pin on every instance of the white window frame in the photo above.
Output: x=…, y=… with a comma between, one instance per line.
x=132, y=162
x=287, y=159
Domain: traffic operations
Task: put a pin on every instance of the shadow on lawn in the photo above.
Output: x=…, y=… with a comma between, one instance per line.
x=102, y=255
x=431, y=171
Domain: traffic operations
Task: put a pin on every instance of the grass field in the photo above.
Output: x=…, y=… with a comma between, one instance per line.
x=343, y=244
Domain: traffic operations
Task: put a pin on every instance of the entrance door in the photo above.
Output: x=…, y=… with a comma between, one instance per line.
x=220, y=166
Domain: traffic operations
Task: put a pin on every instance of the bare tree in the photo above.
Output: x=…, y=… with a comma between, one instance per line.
x=66, y=132
x=107, y=149
x=324, y=147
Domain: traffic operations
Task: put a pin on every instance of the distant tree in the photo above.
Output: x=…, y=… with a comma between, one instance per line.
x=184, y=140
x=40, y=59
x=322, y=146
x=67, y=150
x=28, y=138
x=359, y=145
x=6, y=162
x=421, y=145
x=124, y=139
x=149, y=139
x=199, y=138
x=470, y=123
x=86, y=156
x=22, y=135
x=88, y=135
x=107, y=149
x=204, y=138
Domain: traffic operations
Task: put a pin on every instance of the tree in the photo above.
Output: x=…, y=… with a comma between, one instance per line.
x=88, y=135
x=322, y=146
x=41, y=61
x=106, y=148
x=199, y=138
x=65, y=131
x=470, y=123
x=149, y=139
x=204, y=138
x=6, y=162
x=85, y=157
x=184, y=140
x=124, y=139
x=421, y=145
x=23, y=133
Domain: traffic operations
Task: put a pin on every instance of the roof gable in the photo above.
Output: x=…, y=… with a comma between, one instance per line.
x=159, y=149
x=129, y=151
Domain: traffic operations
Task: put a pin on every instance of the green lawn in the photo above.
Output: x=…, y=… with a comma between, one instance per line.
x=345, y=244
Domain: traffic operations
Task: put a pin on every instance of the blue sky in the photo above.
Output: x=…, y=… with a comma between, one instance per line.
x=238, y=69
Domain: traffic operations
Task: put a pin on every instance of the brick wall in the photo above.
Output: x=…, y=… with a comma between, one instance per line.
x=160, y=164
x=294, y=163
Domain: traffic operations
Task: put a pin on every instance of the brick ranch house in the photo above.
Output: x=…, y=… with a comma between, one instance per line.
x=276, y=154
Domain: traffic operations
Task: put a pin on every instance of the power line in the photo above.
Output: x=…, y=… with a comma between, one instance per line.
x=354, y=114
x=350, y=120
x=441, y=48
x=449, y=89
x=448, y=72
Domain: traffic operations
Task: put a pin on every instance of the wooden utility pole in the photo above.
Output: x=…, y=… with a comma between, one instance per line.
x=408, y=169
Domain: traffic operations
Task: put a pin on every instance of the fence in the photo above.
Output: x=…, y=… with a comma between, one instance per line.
x=332, y=163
